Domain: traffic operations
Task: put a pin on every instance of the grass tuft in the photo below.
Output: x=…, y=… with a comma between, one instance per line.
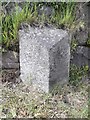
x=63, y=15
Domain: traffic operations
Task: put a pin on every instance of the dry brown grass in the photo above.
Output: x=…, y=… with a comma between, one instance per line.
x=26, y=101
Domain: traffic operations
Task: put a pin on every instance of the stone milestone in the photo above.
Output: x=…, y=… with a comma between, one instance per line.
x=44, y=57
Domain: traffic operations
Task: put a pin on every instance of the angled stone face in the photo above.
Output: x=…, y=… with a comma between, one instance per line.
x=44, y=56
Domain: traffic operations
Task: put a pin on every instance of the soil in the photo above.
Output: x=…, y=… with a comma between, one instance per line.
x=10, y=75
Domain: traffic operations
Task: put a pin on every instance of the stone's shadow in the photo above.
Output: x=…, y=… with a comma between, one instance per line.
x=59, y=58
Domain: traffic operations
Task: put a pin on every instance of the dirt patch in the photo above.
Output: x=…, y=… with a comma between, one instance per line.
x=10, y=75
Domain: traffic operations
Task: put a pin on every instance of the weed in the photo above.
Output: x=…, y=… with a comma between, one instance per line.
x=57, y=89
x=64, y=15
x=76, y=74
x=11, y=23
x=19, y=103
x=74, y=44
x=88, y=41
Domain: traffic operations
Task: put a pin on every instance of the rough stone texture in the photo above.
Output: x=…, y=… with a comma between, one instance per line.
x=0, y=58
x=44, y=56
x=81, y=33
x=12, y=8
x=10, y=60
x=89, y=18
x=82, y=11
x=81, y=56
x=46, y=10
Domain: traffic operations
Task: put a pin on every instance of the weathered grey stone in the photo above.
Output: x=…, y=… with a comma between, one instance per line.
x=0, y=58
x=81, y=31
x=83, y=50
x=47, y=11
x=81, y=35
x=89, y=19
x=10, y=60
x=12, y=8
x=81, y=56
x=44, y=56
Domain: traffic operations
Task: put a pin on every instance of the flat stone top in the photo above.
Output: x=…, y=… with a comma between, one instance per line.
x=44, y=36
